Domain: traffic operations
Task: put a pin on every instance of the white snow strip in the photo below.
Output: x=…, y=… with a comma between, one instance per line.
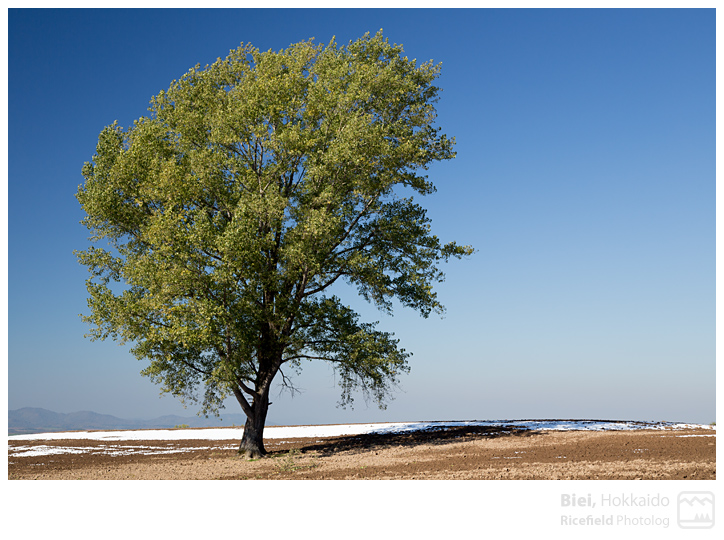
x=44, y=450
x=287, y=432
x=31, y=451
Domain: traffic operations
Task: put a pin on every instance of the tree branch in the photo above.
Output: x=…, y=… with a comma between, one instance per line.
x=246, y=389
x=242, y=401
x=309, y=357
x=286, y=383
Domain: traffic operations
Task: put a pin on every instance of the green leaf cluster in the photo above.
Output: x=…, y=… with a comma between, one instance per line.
x=221, y=219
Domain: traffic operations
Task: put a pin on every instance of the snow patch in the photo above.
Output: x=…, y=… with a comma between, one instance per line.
x=321, y=431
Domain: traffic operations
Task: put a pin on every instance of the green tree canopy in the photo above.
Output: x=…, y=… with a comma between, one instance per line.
x=223, y=218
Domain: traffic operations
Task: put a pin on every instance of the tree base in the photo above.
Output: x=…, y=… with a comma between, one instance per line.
x=252, y=447
x=251, y=453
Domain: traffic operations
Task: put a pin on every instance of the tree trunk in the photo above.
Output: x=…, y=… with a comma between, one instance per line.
x=252, y=442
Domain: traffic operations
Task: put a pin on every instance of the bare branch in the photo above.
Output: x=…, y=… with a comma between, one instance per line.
x=287, y=384
x=246, y=389
x=242, y=401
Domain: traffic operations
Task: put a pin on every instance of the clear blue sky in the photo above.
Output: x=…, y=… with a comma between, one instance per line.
x=585, y=178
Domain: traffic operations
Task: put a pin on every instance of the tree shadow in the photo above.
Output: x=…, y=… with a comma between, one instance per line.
x=410, y=439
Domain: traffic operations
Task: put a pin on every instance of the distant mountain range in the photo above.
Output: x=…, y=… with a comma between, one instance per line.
x=34, y=420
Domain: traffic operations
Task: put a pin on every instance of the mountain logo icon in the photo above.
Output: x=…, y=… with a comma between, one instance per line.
x=695, y=509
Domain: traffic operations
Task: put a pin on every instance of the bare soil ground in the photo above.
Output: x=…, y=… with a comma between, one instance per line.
x=455, y=453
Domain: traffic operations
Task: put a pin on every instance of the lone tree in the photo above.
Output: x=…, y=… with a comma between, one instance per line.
x=254, y=185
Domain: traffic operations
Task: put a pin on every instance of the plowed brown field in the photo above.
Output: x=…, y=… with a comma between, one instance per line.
x=455, y=453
